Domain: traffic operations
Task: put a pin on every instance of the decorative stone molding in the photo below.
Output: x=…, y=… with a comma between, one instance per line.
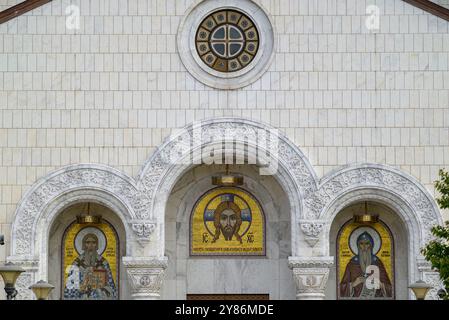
x=380, y=177
x=225, y=80
x=311, y=262
x=311, y=230
x=423, y=265
x=431, y=277
x=174, y=157
x=176, y=149
x=141, y=203
x=23, y=283
x=146, y=276
x=311, y=275
x=143, y=230
x=60, y=183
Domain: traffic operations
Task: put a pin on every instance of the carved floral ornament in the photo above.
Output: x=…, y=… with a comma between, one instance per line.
x=62, y=182
x=310, y=275
x=312, y=229
x=139, y=196
x=379, y=177
x=310, y=213
x=143, y=230
x=146, y=275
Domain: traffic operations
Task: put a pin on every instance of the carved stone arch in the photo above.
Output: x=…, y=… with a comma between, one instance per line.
x=395, y=203
x=182, y=150
x=389, y=199
x=415, y=198
x=388, y=186
x=59, y=190
x=55, y=188
x=69, y=199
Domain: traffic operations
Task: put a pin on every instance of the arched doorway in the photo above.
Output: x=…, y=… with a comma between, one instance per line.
x=225, y=271
x=48, y=209
x=406, y=208
x=79, y=273
x=387, y=250
x=144, y=205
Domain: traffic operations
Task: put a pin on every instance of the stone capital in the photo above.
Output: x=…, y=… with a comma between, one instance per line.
x=311, y=275
x=146, y=276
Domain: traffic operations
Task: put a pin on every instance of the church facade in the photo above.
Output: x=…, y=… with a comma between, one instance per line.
x=203, y=149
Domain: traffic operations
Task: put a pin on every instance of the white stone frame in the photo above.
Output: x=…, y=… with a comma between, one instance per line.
x=158, y=176
x=141, y=203
x=62, y=187
x=186, y=44
x=387, y=185
x=59, y=190
x=391, y=187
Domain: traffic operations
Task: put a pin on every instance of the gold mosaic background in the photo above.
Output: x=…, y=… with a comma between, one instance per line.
x=385, y=253
x=222, y=247
x=110, y=253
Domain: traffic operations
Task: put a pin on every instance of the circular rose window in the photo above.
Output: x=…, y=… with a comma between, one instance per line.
x=227, y=40
x=226, y=44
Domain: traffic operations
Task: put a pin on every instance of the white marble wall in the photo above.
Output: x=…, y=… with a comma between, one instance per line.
x=112, y=91
x=234, y=275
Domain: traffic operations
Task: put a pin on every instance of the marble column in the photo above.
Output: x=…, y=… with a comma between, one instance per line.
x=145, y=276
x=310, y=274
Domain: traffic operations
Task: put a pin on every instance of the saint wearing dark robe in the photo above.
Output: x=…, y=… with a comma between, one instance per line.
x=354, y=282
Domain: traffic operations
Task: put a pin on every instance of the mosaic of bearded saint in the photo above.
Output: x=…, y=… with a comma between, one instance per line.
x=227, y=220
x=354, y=282
x=89, y=276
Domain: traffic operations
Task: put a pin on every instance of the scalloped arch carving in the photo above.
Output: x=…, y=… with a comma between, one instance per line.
x=374, y=176
x=57, y=184
x=177, y=148
x=142, y=201
x=144, y=198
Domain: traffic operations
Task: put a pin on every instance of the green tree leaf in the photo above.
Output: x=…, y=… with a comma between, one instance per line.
x=437, y=251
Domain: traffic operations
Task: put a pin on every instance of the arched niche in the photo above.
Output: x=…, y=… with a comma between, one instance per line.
x=411, y=203
x=258, y=142
x=54, y=193
x=58, y=231
x=229, y=274
x=142, y=204
x=399, y=233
